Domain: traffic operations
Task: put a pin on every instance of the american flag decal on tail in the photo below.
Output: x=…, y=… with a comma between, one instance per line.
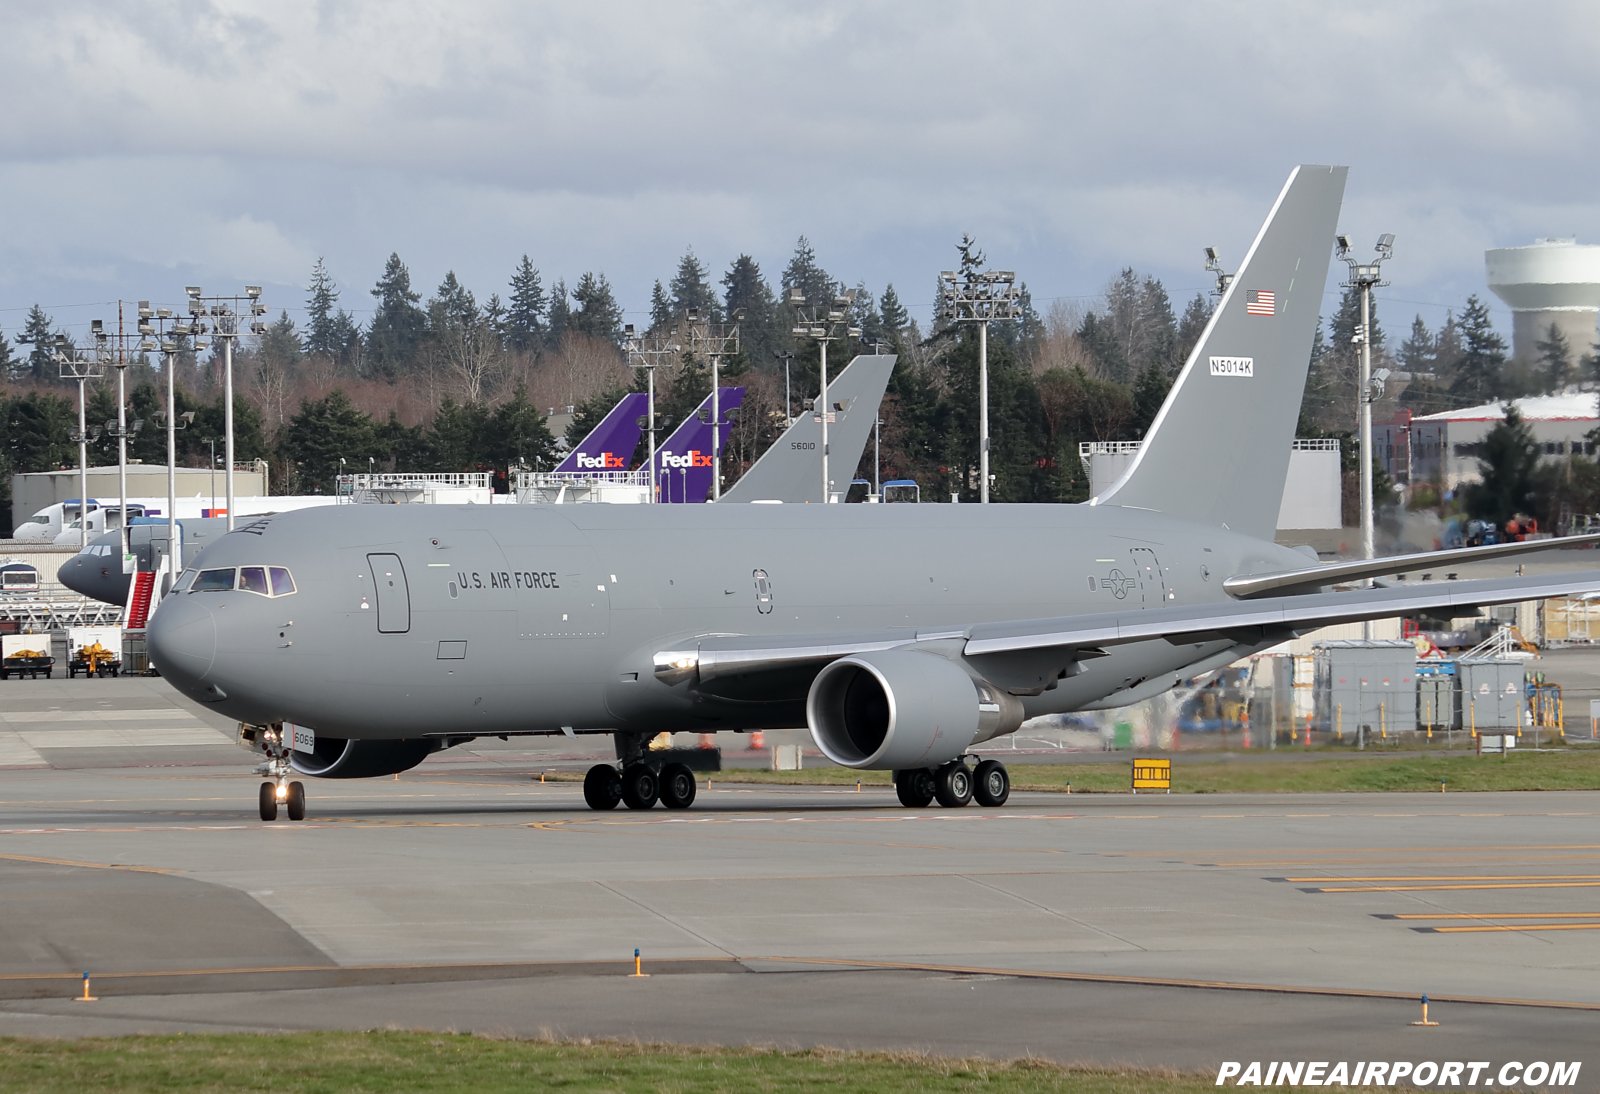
x=1261, y=302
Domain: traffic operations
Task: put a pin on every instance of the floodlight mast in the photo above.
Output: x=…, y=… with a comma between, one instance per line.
x=225, y=312
x=648, y=359
x=169, y=358
x=981, y=297
x=822, y=326
x=715, y=341
x=73, y=366
x=1365, y=277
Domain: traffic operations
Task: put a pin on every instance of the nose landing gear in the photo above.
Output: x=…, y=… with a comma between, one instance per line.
x=279, y=790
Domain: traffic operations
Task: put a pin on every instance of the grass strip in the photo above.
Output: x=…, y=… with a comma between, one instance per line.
x=423, y=1063
x=1560, y=770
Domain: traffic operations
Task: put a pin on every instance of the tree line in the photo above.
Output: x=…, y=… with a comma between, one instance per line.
x=451, y=382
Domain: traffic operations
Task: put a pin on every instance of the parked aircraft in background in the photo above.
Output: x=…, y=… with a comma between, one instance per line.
x=356, y=642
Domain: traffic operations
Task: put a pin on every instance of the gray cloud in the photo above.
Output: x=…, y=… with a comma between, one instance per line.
x=149, y=145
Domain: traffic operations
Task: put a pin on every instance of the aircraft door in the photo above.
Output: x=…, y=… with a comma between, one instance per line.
x=1152, y=582
x=392, y=592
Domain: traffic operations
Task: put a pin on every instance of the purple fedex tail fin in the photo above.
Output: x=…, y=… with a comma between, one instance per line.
x=683, y=461
x=609, y=446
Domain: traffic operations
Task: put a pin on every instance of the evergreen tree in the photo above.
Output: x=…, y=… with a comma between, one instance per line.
x=1555, y=359
x=660, y=308
x=518, y=434
x=864, y=315
x=1507, y=469
x=762, y=331
x=1099, y=337
x=1342, y=330
x=598, y=314
x=452, y=307
x=36, y=333
x=895, y=317
x=322, y=331
x=1418, y=352
x=1483, y=355
x=398, y=325
x=691, y=289
x=1148, y=395
x=494, y=319
x=8, y=361
x=525, y=315
x=281, y=344
x=560, y=312
x=804, y=273
x=313, y=441
x=1193, y=324
x=36, y=429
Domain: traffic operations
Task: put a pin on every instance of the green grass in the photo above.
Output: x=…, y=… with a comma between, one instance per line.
x=1561, y=770
x=422, y=1063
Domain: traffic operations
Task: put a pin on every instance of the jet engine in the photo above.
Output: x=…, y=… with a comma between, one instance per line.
x=903, y=708
x=337, y=758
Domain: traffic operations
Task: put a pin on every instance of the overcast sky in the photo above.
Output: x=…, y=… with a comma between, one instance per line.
x=145, y=146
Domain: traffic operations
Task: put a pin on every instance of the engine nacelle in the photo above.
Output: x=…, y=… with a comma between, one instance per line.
x=337, y=758
x=899, y=709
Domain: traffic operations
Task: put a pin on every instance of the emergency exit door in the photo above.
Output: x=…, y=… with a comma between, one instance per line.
x=394, y=596
x=1152, y=582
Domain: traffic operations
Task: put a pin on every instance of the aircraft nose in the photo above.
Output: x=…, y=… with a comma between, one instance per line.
x=73, y=574
x=183, y=640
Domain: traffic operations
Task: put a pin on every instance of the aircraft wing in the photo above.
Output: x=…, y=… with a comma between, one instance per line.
x=1281, y=582
x=1018, y=650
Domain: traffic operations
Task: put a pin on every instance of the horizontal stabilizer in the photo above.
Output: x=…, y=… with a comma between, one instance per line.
x=1285, y=582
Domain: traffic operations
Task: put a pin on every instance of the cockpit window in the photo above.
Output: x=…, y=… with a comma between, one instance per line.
x=183, y=581
x=261, y=580
x=213, y=581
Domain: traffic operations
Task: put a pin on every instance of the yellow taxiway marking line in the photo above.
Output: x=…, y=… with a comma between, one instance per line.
x=1174, y=982
x=91, y=865
x=1460, y=877
x=1501, y=915
x=1519, y=927
x=1437, y=888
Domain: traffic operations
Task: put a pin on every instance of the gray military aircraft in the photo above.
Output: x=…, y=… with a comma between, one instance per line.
x=356, y=641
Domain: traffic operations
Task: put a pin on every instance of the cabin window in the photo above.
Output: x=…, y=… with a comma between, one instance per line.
x=282, y=583
x=213, y=581
x=253, y=579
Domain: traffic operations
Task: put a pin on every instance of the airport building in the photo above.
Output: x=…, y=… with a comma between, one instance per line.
x=1447, y=446
x=34, y=491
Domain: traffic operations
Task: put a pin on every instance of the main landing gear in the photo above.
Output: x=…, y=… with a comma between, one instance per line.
x=279, y=790
x=953, y=785
x=639, y=786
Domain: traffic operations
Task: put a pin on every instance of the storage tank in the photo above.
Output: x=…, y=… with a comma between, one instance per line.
x=1552, y=281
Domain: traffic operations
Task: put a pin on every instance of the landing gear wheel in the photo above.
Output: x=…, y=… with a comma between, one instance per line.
x=952, y=785
x=677, y=786
x=297, y=801
x=914, y=787
x=639, y=787
x=269, y=801
x=602, y=787
x=991, y=785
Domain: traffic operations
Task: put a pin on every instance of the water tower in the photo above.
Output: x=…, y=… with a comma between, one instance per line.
x=1553, y=281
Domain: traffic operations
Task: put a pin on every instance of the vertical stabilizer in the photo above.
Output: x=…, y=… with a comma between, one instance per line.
x=682, y=472
x=791, y=470
x=610, y=445
x=1218, y=451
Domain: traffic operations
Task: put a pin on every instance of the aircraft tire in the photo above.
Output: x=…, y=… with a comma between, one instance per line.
x=991, y=784
x=602, y=787
x=952, y=785
x=914, y=787
x=269, y=802
x=677, y=786
x=640, y=787
x=297, y=801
